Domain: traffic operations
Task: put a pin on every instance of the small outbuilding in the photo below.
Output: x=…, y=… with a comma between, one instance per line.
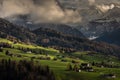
x=85, y=64
x=86, y=67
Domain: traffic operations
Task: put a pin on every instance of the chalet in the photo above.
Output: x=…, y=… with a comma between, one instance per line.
x=28, y=52
x=102, y=66
x=89, y=69
x=79, y=70
x=86, y=67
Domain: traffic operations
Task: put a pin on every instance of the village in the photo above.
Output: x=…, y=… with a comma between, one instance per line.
x=72, y=65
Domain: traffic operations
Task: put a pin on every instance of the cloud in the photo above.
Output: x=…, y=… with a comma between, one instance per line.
x=105, y=8
x=104, y=5
x=14, y=7
x=49, y=11
x=106, y=1
x=38, y=11
x=91, y=2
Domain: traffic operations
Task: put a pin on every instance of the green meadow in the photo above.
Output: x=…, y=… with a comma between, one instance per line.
x=59, y=67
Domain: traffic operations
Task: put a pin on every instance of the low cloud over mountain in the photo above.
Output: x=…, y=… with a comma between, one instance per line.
x=38, y=11
x=50, y=10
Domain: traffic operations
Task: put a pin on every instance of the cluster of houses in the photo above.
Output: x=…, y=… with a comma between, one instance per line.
x=83, y=67
x=86, y=67
x=12, y=55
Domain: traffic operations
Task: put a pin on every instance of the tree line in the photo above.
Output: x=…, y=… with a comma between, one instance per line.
x=24, y=70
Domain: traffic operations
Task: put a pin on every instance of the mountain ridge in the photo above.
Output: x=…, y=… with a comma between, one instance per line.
x=57, y=40
x=111, y=37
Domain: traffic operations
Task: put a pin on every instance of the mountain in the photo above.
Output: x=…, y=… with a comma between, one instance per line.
x=111, y=37
x=108, y=22
x=9, y=29
x=100, y=26
x=23, y=20
x=51, y=38
x=63, y=28
x=111, y=31
x=98, y=17
x=113, y=14
x=81, y=14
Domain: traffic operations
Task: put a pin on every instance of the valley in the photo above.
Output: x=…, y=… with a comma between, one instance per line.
x=59, y=39
x=58, y=61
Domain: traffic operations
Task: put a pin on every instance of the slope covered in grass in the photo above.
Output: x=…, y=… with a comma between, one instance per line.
x=59, y=66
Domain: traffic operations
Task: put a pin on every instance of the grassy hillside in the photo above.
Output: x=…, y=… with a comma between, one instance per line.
x=58, y=61
x=53, y=39
x=17, y=45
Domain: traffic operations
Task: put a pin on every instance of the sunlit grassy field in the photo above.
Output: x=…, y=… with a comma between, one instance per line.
x=59, y=67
